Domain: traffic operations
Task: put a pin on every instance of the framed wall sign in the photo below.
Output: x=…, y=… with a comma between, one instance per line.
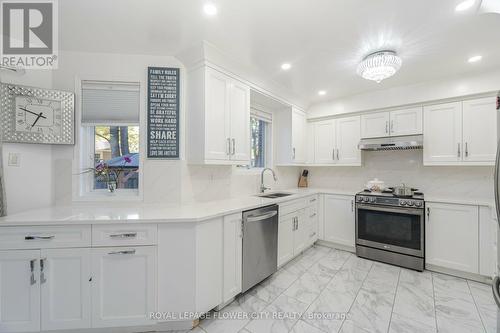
x=163, y=113
x=36, y=115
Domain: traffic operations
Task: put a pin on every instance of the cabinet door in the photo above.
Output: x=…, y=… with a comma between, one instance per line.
x=480, y=130
x=406, y=122
x=312, y=218
x=339, y=219
x=443, y=133
x=123, y=288
x=19, y=291
x=451, y=236
x=298, y=137
x=285, y=238
x=375, y=125
x=300, y=235
x=217, y=134
x=232, y=256
x=324, y=142
x=348, y=136
x=65, y=288
x=239, y=101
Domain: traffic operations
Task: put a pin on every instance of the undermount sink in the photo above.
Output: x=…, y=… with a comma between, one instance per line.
x=275, y=195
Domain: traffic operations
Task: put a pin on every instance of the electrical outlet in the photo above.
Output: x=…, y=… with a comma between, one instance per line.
x=14, y=159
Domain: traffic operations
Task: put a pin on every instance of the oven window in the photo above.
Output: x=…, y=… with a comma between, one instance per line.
x=389, y=228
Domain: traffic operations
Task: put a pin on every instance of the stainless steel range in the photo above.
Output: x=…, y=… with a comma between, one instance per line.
x=391, y=229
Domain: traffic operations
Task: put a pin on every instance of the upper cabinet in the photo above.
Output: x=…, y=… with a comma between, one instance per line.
x=218, y=118
x=291, y=137
x=336, y=141
x=392, y=123
x=461, y=133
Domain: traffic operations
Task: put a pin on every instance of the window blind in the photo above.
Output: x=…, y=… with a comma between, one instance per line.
x=110, y=103
x=261, y=115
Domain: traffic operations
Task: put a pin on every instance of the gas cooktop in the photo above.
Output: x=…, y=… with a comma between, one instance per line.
x=387, y=198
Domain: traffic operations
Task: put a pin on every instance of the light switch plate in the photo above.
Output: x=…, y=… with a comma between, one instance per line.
x=14, y=159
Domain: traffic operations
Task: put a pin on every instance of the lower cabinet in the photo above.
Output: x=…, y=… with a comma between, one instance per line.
x=451, y=236
x=232, y=265
x=19, y=291
x=124, y=286
x=339, y=220
x=311, y=218
x=293, y=232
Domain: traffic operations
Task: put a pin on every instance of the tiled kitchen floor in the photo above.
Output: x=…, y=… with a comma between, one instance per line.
x=357, y=295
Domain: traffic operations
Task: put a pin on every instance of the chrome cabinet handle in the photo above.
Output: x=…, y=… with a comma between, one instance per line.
x=466, y=150
x=234, y=147
x=352, y=205
x=32, y=270
x=122, y=252
x=333, y=154
x=228, y=151
x=312, y=235
x=428, y=213
x=293, y=153
x=42, y=270
x=313, y=215
x=39, y=237
x=392, y=126
x=338, y=159
x=458, y=151
x=387, y=127
x=296, y=223
x=240, y=221
x=312, y=200
x=124, y=235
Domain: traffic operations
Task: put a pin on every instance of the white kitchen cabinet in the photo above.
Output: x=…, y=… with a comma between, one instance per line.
x=443, y=133
x=479, y=130
x=123, y=286
x=65, y=276
x=232, y=256
x=218, y=118
x=461, y=133
x=324, y=142
x=348, y=134
x=311, y=216
x=406, y=121
x=375, y=125
x=451, y=236
x=339, y=220
x=286, y=229
x=291, y=136
x=392, y=123
x=19, y=291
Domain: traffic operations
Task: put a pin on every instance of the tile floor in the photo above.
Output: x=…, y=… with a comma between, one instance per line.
x=326, y=290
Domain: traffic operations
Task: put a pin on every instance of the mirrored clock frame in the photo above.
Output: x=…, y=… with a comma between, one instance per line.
x=62, y=102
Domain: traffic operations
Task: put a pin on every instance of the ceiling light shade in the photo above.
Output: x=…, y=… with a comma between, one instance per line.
x=464, y=5
x=475, y=58
x=322, y=92
x=210, y=9
x=286, y=66
x=379, y=66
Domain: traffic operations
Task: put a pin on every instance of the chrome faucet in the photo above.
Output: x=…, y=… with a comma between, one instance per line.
x=263, y=187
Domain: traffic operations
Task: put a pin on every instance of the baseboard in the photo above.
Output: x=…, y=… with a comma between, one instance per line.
x=460, y=274
x=336, y=246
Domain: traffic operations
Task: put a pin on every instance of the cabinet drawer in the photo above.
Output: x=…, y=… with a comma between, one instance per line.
x=291, y=206
x=45, y=237
x=312, y=200
x=124, y=235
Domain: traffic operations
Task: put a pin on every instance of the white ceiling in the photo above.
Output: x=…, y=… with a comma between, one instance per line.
x=323, y=39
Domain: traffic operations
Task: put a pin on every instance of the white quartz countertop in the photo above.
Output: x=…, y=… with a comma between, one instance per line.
x=108, y=213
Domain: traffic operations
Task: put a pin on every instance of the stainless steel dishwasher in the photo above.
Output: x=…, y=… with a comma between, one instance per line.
x=260, y=245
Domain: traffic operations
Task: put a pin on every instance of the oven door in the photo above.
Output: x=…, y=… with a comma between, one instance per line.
x=393, y=229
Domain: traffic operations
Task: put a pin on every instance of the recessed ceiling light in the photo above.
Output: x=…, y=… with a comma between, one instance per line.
x=322, y=92
x=475, y=58
x=464, y=5
x=286, y=66
x=210, y=9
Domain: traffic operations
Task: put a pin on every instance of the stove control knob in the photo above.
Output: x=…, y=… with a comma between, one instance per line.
x=418, y=204
x=402, y=202
x=411, y=203
x=365, y=199
x=372, y=200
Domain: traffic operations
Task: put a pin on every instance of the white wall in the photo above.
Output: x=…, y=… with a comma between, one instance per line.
x=396, y=167
x=411, y=94
x=28, y=186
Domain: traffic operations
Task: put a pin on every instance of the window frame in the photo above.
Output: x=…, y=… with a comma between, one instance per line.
x=83, y=184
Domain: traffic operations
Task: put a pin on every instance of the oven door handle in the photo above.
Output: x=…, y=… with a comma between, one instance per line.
x=407, y=211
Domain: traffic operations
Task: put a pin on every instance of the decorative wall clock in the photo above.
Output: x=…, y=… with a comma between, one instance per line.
x=36, y=115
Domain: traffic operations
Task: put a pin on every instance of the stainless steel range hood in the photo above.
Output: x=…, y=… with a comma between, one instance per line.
x=392, y=143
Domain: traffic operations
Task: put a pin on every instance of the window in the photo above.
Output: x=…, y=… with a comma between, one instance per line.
x=260, y=140
x=110, y=137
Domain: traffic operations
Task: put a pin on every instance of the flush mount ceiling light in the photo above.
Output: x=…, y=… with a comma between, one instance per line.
x=286, y=66
x=379, y=66
x=475, y=58
x=464, y=5
x=210, y=9
x=322, y=92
